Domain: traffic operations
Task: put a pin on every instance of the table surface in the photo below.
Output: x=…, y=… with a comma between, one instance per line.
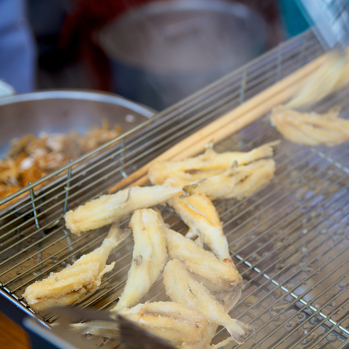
x=11, y=335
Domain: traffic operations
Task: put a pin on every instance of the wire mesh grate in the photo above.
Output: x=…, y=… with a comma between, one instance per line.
x=290, y=241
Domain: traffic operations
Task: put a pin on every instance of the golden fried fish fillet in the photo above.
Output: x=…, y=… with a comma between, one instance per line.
x=199, y=213
x=111, y=208
x=183, y=289
x=149, y=256
x=311, y=128
x=237, y=182
x=68, y=285
x=221, y=276
x=332, y=75
x=181, y=325
x=206, y=165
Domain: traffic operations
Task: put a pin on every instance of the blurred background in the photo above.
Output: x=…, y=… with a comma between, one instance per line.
x=151, y=51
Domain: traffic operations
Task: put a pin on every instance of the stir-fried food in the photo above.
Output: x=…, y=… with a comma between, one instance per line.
x=111, y=208
x=220, y=276
x=181, y=325
x=31, y=158
x=149, y=256
x=199, y=213
x=68, y=285
x=311, y=128
x=206, y=165
x=183, y=289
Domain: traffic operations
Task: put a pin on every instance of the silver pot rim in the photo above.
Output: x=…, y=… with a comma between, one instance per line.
x=78, y=94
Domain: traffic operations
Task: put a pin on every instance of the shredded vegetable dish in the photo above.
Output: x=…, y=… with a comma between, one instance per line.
x=31, y=157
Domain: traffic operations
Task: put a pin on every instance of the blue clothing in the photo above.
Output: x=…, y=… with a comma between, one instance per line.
x=17, y=48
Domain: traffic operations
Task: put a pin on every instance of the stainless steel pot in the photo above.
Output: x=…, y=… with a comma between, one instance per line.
x=63, y=111
x=164, y=51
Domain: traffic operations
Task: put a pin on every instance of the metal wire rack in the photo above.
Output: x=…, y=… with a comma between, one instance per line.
x=290, y=241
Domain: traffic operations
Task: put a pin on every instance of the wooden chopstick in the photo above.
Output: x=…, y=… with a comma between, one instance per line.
x=229, y=123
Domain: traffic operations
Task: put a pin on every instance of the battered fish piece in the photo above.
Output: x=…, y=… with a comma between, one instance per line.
x=221, y=276
x=68, y=285
x=181, y=325
x=206, y=165
x=183, y=289
x=332, y=75
x=311, y=128
x=237, y=182
x=149, y=256
x=198, y=212
x=111, y=208
x=228, y=300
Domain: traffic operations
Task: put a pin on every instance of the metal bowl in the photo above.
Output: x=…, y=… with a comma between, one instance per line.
x=63, y=111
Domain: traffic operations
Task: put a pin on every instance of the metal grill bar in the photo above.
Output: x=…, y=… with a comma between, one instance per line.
x=253, y=266
x=273, y=227
x=299, y=299
x=327, y=318
x=275, y=214
x=324, y=336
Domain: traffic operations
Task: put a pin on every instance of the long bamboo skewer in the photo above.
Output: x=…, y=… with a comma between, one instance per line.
x=229, y=123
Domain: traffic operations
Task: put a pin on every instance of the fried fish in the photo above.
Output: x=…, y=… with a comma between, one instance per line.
x=149, y=256
x=181, y=325
x=221, y=276
x=311, y=128
x=198, y=212
x=206, y=165
x=183, y=289
x=68, y=285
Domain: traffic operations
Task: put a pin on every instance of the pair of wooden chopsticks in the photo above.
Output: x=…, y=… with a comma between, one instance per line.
x=229, y=123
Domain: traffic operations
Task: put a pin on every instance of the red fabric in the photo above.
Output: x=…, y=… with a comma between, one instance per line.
x=87, y=17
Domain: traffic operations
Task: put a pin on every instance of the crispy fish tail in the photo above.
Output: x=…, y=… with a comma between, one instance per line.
x=116, y=236
x=239, y=330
